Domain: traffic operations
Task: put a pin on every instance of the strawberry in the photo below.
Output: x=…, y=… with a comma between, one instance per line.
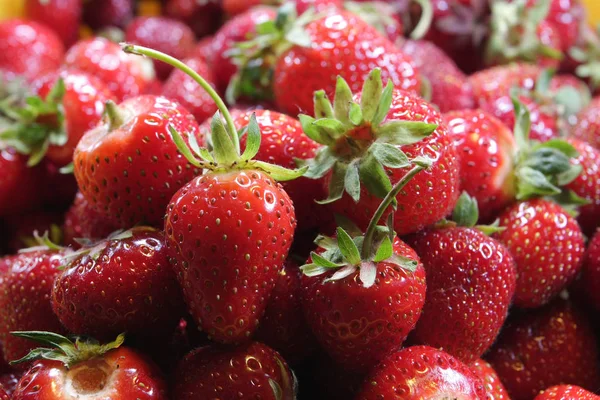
x=566, y=392
x=19, y=184
x=587, y=127
x=450, y=89
x=39, y=48
x=252, y=371
x=105, y=13
x=568, y=18
x=3, y=394
x=234, y=7
x=470, y=285
x=62, y=15
x=147, y=300
x=204, y=17
x=591, y=271
x=125, y=75
x=493, y=386
x=204, y=51
x=85, y=370
x=82, y=221
x=23, y=226
x=10, y=380
x=163, y=34
x=558, y=337
x=419, y=373
x=128, y=167
x=181, y=88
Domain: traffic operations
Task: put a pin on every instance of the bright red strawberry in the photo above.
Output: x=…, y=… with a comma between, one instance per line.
x=252, y=371
x=566, y=392
x=82, y=221
x=124, y=74
x=25, y=290
x=39, y=48
x=588, y=124
x=128, y=167
x=146, y=301
x=591, y=271
x=493, y=386
x=184, y=90
x=19, y=184
x=470, y=285
x=420, y=373
x=450, y=89
x=63, y=16
x=163, y=34
x=86, y=370
x=568, y=17
x=105, y=13
x=558, y=337
x=204, y=17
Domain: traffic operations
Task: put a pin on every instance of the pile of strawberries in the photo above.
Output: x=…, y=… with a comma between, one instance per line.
x=315, y=199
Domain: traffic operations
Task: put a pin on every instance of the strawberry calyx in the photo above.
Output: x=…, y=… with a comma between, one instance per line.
x=47, y=241
x=358, y=142
x=588, y=55
x=466, y=214
x=67, y=350
x=225, y=138
x=565, y=102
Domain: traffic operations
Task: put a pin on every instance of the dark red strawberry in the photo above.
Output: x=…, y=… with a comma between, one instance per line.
x=558, y=337
x=491, y=382
x=10, y=380
x=84, y=369
x=252, y=371
x=588, y=124
x=421, y=372
x=163, y=34
x=128, y=167
x=82, y=221
x=204, y=17
x=106, y=13
x=470, y=285
x=184, y=90
x=19, y=184
x=39, y=48
x=591, y=271
x=23, y=226
x=64, y=16
x=124, y=74
x=566, y=392
x=58, y=189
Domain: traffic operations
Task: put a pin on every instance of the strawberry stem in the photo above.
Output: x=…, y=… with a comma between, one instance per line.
x=425, y=21
x=115, y=116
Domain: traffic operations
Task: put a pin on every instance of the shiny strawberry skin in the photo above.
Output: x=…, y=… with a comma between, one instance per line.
x=300, y=71
x=227, y=373
x=421, y=373
x=126, y=75
x=82, y=221
x=229, y=235
x=130, y=174
x=128, y=376
x=25, y=290
x=470, y=285
x=83, y=104
x=358, y=326
x=486, y=148
x=62, y=15
x=19, y=184
x=104, y=13
x=147, y=300
x=547, y=246
x=567, y=17
x=163, y=34
x=566, y=392
x=588, y=124
x=591, y=271
x=493, y=386
x=39, y=48
x=558, y=337
x=183, y=89
x=431, y=194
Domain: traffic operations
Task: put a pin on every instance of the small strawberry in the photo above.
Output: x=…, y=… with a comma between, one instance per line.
x=84, y=370
x=107, y=13
x=204, y=17
x=566, y=392
x=128, y=167
x=493, y=386
x=587, y=127
x=181, y=88
x=163, y=34
x=82, y=221
x=421, y=372
x=591, y=271
x=124, y=74
x=19, y=184
x=557, y=337
x=252, y=371
x=63, y=16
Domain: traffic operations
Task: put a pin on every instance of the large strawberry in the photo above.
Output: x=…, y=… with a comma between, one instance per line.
x=252, y=371
x=470, y=285
x=421, y=372
x=128, y=167
x=545, y=347
x=493, y=386
x=84, y=369
x=82, y=221
x=566, y=392
x=62, y=15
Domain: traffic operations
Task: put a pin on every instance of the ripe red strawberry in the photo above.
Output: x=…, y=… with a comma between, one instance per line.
x=421, y=372
x=184, y=90
x=3, y=394
x=19, y=184
x=491, y=382
x=204, y=17
x=128, y=167
x=591, y=271
x=450, y=89
x=39, y=48
x=63, y=16
x=106, y=13
x=558, y=337
x=588, y=124
x=146, y=302
x=87, y=370
x=470, y=285
x=163, y=34
x=566, y=392
x=567, y=17
x=124, y=74
x=25, y=290
x=252, y=371
x=82, y=221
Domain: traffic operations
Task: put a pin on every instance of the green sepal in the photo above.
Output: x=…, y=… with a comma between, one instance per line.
x=348, y=225
x=355, y=114
x=182, y=147
x=533, y=183
x=385, y=103
x=343, y=99
x=278, y=173
x=404, y=262
x=323, y=262
x=373, y=176
x=223, y=148
x=384, y=251
x=323, y=106
x=404, y=132
x=352, y=181
x=371, y=94
x=326, y=242
x=572, y=100
x=466, y=211
x=522, y=126
x=389, y=156
x=253, y=138
x=313, y=270
x=336, y=183
x=348, y=247
x=312, y=130
x=318, y=166
x=491, y=229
